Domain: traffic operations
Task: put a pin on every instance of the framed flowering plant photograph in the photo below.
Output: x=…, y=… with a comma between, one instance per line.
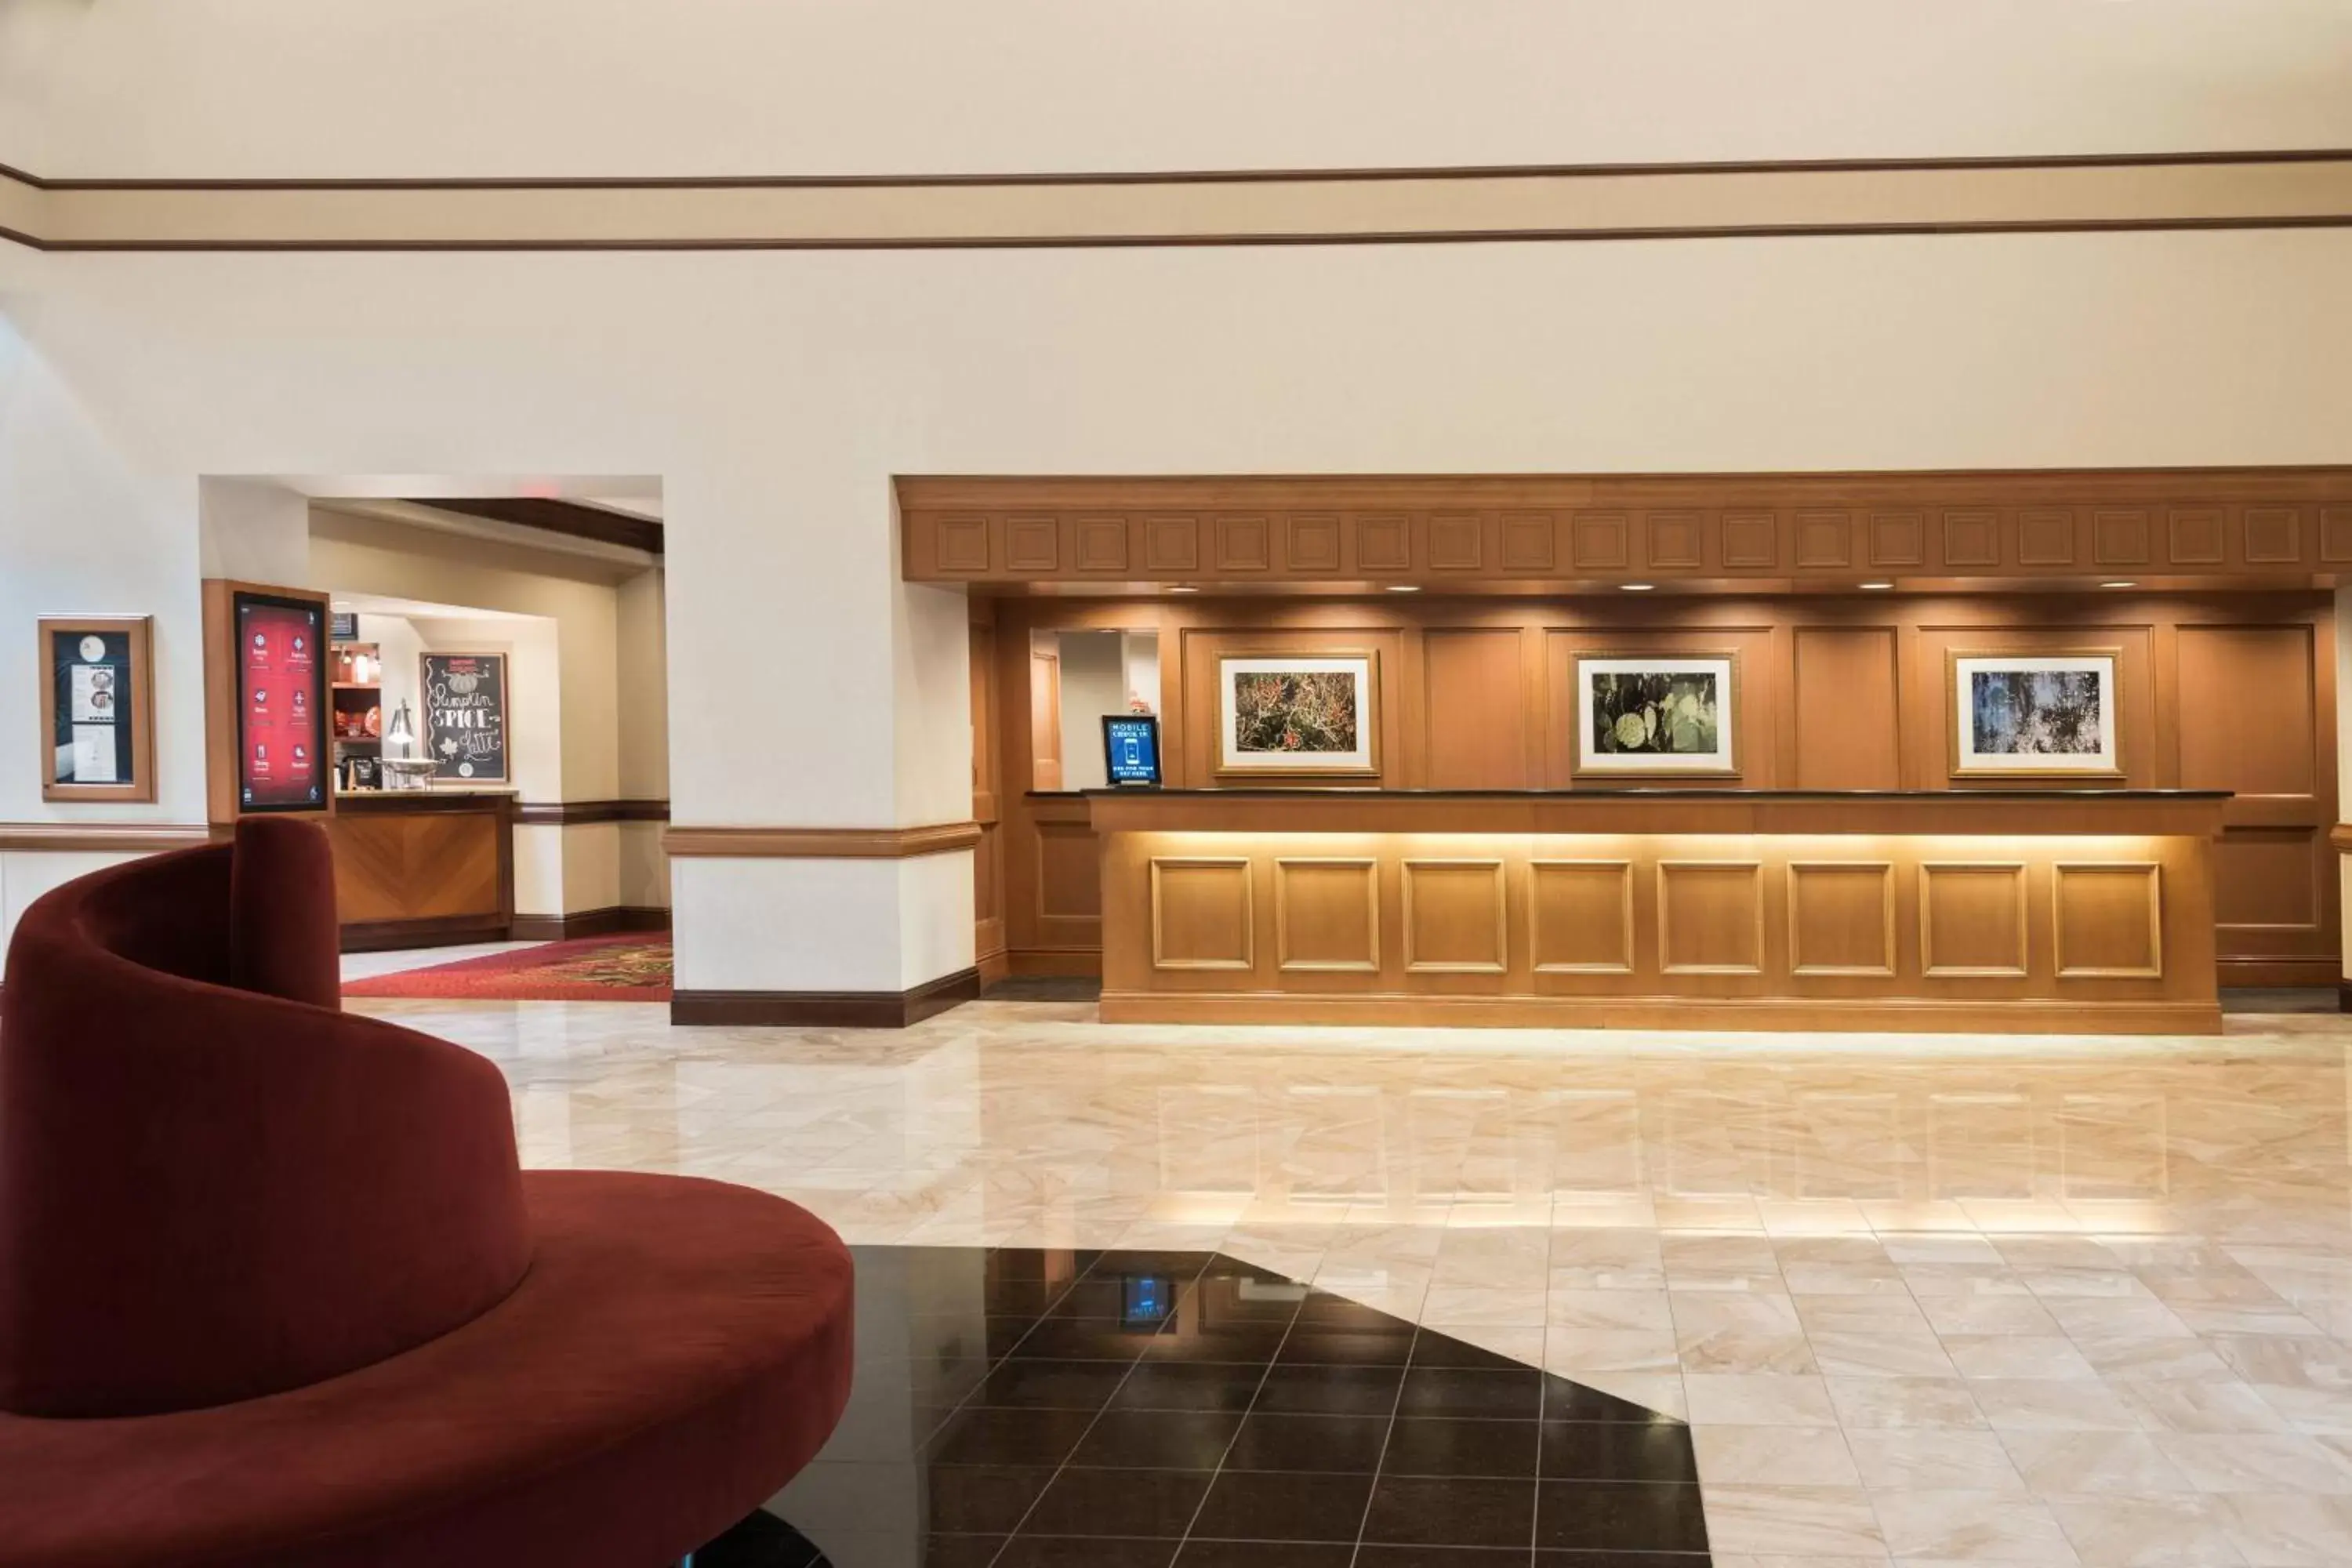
x=1644, y=715
x=1298, y=714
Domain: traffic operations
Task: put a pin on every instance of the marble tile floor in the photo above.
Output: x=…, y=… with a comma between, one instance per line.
x=401, y=961
x=1922, y=1300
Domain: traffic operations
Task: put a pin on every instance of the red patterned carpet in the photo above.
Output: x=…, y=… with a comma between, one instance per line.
x=586, y=969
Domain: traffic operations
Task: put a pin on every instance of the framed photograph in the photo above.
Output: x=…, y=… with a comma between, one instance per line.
x=97, y=707
x=2034, y=715
x=1303, y=713
x=465, y=717
x=1656, y=716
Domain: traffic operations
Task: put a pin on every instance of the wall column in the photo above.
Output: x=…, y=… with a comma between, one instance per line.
x=820, y=761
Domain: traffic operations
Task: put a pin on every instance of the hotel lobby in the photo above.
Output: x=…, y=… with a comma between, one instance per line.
x=919, y=786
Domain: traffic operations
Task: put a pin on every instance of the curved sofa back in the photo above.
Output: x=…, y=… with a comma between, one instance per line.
x=210, y=1193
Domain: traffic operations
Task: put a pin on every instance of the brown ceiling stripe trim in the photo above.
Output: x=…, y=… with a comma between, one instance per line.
x=1195, y=176
x=1180, y=241
x=566, y=517
x=821, y=843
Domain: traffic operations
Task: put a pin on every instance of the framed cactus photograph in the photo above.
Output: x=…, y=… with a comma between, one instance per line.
x=1645, y=715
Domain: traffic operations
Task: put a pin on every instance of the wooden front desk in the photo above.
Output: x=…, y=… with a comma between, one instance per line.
x=423, y=867
x=2015, y=910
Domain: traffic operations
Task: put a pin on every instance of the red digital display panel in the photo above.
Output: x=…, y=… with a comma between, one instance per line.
x=281, y=704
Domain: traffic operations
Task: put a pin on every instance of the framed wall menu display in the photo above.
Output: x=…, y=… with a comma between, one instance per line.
x=98, y=713
x=281, y=702
x=465, y=717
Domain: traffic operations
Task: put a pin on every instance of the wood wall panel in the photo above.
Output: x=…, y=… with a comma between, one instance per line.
x=2109, y=920
x=2213, y=526
x=2046, y=536
x=1837, y=692
x=1202, y=913
x=1971, y=538
x=1454, y=917
x=1580, y=916
x=1898, y=539
x=1972, y=920
x=1842, y=917
x=1327, y=914
x=1847, y=708
x=1677, y=541
x=1033, y=544
x=1314, y=543
x=1710, y=916
x=1476, y=707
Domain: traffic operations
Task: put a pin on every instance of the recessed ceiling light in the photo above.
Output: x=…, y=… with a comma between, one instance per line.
x=2119, y=583
x=1405, y=587
x=1637, y=587
x=1875, y=587
x=1183, y=588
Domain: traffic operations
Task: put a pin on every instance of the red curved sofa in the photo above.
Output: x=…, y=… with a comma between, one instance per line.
x=273, y=1290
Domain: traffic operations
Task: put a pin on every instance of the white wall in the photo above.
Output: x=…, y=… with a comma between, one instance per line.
x=210, y=87
x=776, y=393
x=1094, y=682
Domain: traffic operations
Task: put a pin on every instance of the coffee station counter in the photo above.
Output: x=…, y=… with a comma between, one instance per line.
x=1994, y=911
x=422, y=868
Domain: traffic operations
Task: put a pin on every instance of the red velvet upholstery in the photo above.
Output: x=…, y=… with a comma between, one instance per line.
x=271, y=1289
x=678, y=1350
x=283, y=938
x=207, y=1194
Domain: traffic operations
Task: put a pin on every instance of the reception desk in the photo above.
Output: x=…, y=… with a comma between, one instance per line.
x=2014, y=910
x=423, y=867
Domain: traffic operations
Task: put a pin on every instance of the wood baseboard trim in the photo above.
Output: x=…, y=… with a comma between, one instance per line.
x=821, y=843
x=2344, y=996
x=578, y=813
x=444, y=930
x=1669, y=1013
x=825, y=1009
x=612, y=920
x=102, y=838
x=1054, y=961
x=2275, y=974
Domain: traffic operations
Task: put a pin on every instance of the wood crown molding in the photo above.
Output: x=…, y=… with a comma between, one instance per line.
x=2174, y=528
x=820, y=843
x=576, y=812
x=102, y=838
x=2285, y=188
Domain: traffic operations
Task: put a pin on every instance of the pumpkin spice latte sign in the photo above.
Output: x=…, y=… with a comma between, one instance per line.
x=465, y=717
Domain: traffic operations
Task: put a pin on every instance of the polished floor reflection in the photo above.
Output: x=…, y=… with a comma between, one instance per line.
x=1925, y=1300
x=1025, y=1406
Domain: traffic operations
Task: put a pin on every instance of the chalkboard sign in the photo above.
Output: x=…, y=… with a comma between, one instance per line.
x=465, y=717
x=96, y=709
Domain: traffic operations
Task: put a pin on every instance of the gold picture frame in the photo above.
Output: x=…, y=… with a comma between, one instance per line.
x=1591, y=762
x=1966, y=731
x=88, y=720
x=1237, y=758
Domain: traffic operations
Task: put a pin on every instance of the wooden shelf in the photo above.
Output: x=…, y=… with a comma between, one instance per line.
x=355, y=684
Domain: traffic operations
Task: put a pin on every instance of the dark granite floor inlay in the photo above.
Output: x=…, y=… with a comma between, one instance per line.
x=1017, y=1408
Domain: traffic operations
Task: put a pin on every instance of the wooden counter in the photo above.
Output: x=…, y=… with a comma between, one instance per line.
x=2009, y=911
x=423, y=867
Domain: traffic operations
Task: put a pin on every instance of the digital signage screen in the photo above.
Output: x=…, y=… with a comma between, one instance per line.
x=281, y=704
x=1131, y=750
